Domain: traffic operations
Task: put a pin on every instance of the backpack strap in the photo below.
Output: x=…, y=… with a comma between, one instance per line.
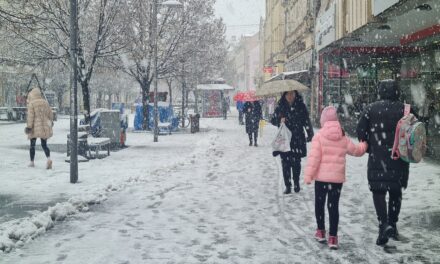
x=395, y=154
x=407, y=109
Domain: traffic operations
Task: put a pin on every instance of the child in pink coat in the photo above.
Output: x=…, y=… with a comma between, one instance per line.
x=326, y=165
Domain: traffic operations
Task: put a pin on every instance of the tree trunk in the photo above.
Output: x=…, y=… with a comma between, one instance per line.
x=99, y=100
x=109, y=102
x=60, y=101
x=183, y=104
x=170, y=82
x=145, y=86
x=86, y=101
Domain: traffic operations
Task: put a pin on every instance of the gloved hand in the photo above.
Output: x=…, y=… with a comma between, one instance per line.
x=309, y=138
x=27, y=130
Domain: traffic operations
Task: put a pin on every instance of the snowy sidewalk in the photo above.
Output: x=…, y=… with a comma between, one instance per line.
x=217, y=200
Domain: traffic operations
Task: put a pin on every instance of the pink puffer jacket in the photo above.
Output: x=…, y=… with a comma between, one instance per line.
x=326, y=160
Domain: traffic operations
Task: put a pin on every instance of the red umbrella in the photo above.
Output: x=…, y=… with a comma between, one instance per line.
x=239, y=96
x=250, y=96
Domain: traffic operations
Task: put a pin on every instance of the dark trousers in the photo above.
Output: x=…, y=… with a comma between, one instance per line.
x=255, y=134
x=240, y=117
x=290, y=164
x=43, y=145
x=395, y=202
x=333, y=191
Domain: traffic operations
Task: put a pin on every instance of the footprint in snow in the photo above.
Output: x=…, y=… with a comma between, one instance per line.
x=137, y=245
x=61, y=257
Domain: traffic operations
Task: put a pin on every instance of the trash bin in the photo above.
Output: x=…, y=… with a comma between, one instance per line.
x=195, y=123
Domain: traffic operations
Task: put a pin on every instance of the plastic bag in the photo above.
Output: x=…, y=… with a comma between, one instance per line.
x=281, y=142
x=261, y=126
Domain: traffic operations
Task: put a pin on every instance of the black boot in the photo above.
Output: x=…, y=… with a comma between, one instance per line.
x=395, y=233
x=250, y=143
x=385, y=232
x=287, y=191
x=296, y=187
x=255, y=144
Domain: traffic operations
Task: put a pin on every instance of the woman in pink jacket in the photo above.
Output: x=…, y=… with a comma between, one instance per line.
x=326, y=165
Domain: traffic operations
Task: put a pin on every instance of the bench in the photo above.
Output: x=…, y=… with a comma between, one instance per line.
x=165, y=126
x=98, y=144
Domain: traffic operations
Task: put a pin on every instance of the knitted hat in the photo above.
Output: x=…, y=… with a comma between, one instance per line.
x=328, y=114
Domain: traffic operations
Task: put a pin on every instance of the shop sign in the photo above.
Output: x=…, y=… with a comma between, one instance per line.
x=268, y=70
x=325, y=28
x=381, y=5
x=297, y=47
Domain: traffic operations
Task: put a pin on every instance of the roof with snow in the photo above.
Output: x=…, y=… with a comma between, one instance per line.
x=214, y=86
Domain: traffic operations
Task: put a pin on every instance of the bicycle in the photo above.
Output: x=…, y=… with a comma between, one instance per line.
x=186, y=120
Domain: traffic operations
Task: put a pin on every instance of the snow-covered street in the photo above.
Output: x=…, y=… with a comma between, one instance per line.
x=196, y=198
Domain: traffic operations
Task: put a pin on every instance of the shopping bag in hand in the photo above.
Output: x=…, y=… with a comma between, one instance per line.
x=281, y=142
x=261, y=126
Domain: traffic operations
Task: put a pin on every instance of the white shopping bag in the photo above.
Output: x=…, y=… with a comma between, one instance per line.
x=282, y=140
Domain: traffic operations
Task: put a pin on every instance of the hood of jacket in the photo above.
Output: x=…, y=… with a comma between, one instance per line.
x=389, y=90
x=34, y=94
x=332, y=130
x=296, y=103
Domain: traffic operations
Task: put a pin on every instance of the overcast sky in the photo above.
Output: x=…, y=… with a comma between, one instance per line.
x=240, y=16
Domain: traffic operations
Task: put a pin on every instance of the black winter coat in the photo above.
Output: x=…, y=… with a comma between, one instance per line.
x=253, y=114
x=297, y=119
x=377, y=127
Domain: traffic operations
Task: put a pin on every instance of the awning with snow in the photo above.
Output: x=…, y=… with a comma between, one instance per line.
x=292, y=75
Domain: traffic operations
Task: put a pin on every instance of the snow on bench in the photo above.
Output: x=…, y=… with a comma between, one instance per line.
x=97, y=144
x=166, y=126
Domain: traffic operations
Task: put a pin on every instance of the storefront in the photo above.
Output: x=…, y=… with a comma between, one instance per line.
x=404, y=47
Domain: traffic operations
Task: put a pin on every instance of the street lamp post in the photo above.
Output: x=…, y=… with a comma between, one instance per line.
x=73, y=141
x=170, y=4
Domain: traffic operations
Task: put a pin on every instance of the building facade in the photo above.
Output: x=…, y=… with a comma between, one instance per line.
x=274, y=53
x=245, y=59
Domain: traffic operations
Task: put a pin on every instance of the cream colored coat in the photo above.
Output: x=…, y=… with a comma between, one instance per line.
x=39, y=115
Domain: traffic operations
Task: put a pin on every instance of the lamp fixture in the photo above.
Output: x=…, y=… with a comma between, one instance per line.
x=423, y=7
x=172, y=4
x=384, y=27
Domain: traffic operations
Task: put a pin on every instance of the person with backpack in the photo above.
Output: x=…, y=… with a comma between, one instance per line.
x=377, y=127
x=39, y=124
x=292, y=111
x=326, y=166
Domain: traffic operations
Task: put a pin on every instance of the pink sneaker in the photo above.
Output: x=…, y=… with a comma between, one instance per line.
x=320, y=235
x=333, y=242
x=49, y=164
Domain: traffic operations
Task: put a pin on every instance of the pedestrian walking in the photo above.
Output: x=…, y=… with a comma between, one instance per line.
x=240, y=106
x=377, y=127
x=326, y=166
x=39, y=124
x=253, y=115
x=124, y=126
x=225, y=108
x=292, y=111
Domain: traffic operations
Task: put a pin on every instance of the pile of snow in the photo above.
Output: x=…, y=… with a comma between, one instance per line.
x=16, y=233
